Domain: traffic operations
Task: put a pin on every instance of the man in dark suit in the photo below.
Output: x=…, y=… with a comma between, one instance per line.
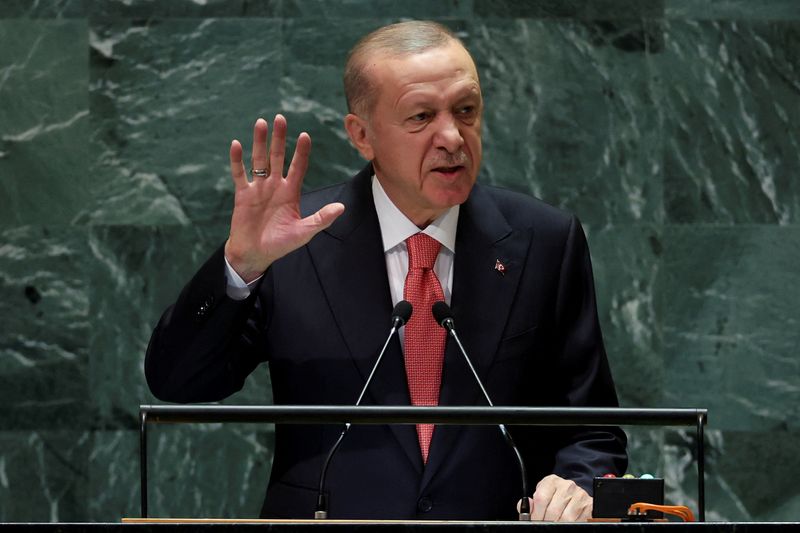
x=309, y=284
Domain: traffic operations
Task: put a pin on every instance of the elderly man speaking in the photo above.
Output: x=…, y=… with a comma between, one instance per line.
x=307, y=283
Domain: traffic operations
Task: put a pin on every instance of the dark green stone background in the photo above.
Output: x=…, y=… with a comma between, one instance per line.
x=668, y=126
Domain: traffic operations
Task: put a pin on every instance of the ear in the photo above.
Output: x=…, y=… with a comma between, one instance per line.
x=357, y=131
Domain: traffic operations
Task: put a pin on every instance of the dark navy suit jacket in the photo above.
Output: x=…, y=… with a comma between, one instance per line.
x=320, y=316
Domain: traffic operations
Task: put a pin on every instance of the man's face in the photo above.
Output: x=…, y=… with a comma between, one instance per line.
x=423, y=134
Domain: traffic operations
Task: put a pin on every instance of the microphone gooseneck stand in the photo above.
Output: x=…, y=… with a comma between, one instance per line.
x=444, y=316
x=400, y=315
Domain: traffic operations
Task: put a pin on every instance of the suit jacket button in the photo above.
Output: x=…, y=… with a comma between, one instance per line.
x=424, y=505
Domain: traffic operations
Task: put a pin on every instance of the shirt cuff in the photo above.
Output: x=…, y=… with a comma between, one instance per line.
x=237, y=289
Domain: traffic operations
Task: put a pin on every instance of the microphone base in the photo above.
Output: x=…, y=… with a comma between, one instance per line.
x=320, y=515
x=524, y=517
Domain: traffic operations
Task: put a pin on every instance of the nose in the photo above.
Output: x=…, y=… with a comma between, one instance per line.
x=447, y=135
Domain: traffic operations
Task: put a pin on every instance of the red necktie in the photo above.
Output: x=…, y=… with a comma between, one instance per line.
x=424, y=338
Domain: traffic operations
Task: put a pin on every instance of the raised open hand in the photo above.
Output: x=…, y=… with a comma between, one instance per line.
x=266, y=222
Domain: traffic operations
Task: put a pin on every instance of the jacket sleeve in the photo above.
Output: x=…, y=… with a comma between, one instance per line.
x=582, y=371
x=206, y=343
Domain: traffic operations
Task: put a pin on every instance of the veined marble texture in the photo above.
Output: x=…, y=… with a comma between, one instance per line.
x=668, y=126
x=732, y=143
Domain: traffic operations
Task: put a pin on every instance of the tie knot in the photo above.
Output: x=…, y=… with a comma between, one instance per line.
x=422, y=251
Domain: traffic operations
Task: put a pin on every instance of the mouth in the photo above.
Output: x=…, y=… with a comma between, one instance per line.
x=449, y=171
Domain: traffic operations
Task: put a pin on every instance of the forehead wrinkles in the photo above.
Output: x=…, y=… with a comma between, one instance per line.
x=427, y=93
x=457, y=85
x=439, y=68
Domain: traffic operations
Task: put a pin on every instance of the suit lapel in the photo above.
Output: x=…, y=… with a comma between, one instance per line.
x=350, y=262
x=481, y=301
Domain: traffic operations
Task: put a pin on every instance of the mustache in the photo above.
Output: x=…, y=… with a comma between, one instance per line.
x=459, y=158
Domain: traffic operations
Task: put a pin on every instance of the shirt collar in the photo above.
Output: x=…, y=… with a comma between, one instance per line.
x=396, y=227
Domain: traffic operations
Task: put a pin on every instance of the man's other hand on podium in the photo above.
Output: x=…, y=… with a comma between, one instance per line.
x=560, y=500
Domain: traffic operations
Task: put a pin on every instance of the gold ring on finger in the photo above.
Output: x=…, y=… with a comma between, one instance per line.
x=259, y=172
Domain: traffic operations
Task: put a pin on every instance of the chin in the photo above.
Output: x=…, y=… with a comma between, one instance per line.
x=451, y=198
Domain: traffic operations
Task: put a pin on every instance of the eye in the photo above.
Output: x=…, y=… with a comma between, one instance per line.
x=420, y=117
x=467, y=111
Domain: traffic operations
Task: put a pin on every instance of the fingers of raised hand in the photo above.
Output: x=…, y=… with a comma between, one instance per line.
x=277, y=147
x=299, y=164
x=238, y=172
x=268, y=160
x=259, y=158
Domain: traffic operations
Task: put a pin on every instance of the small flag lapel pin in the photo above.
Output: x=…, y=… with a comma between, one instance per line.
x=500, y=267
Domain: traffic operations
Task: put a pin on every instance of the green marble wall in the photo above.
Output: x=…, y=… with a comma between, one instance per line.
x=669, y=126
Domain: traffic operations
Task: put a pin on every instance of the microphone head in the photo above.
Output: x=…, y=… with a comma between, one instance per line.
x=441, y=312
x=401, y=312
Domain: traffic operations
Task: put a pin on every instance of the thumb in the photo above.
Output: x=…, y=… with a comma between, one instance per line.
x=328, y=214
x=322, y=218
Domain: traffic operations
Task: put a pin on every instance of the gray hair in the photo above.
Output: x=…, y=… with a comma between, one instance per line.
x=395, y=40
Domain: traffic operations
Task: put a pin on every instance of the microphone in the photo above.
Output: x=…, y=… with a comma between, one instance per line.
x=400, y=315
x=444, y=316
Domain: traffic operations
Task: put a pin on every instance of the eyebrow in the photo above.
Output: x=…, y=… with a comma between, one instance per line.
x=418, y=99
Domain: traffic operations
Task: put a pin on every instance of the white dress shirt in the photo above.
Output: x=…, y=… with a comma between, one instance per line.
x=396, y=228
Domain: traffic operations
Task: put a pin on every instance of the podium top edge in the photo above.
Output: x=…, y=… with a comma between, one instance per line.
x=460, y=415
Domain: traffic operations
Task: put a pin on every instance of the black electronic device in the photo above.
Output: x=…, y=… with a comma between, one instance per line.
x=613, y=496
